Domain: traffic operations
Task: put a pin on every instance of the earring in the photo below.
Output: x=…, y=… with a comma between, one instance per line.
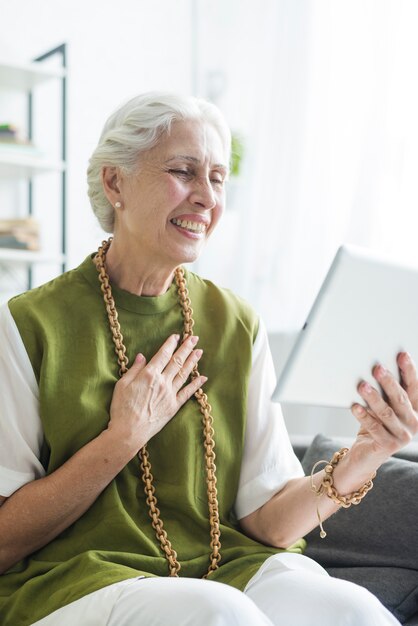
x=117, y=205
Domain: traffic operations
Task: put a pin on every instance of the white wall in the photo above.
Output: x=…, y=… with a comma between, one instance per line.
x=325, y=95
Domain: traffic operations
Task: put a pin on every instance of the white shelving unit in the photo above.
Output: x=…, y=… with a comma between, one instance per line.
x=27, y=257
x=25, y=162
x=22, y=162
x=26, y=76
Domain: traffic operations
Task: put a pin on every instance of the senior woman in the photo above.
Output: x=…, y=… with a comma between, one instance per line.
x=114, y=511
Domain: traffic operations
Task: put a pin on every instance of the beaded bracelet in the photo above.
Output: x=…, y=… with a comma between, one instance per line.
x=327, y=487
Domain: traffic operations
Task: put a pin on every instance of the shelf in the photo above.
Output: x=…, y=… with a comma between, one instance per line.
x=20, y=162
x=27, y=257
x=25, y=76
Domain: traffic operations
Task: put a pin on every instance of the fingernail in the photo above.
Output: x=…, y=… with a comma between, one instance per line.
x=407, y=357
x=139, y=357
x=358, y=409
x=380, y=370
x=198, y=353
x=194, y=339
x=204, y=379
x=366, y=387
x=177, y=337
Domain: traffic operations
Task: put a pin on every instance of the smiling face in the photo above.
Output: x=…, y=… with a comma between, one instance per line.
x=175, y=200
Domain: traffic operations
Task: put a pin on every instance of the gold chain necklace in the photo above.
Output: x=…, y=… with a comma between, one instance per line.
x=205, y=409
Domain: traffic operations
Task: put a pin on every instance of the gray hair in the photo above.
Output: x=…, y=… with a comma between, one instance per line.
x=135, y=128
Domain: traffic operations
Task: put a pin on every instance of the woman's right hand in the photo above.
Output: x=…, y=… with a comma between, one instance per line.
x=147, y=397
x=144, y=400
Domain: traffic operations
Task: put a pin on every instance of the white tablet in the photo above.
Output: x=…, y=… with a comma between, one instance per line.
x=365, y=313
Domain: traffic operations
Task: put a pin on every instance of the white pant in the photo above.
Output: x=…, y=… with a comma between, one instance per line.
x=288, y=590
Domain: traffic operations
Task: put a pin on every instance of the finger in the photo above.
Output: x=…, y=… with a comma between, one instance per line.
x=180, y=356
x=185, y=371
x=186, y=392
x=384, y=411
x=409, y=377
x=372, y=424
x=136, y=367
x=397, y=396
x=164, y=354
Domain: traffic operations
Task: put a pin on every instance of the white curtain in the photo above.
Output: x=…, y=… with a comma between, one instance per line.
x=325, y=94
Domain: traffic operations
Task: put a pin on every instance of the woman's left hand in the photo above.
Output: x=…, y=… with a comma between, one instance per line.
x=387, y=423
x=390, y=418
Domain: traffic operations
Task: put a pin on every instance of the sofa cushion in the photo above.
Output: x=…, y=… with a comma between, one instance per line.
x=374, y=544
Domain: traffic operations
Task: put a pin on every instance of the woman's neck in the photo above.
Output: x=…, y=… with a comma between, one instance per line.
x=135, y=274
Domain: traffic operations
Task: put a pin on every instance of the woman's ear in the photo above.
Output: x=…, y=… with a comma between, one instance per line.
x=111, y=179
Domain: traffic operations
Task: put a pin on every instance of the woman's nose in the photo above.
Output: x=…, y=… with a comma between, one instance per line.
x=203, y=194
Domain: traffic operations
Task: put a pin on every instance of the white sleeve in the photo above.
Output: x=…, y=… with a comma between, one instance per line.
x=268, y=460
x=21, y=432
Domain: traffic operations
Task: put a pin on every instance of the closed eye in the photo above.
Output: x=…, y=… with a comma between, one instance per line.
x=217, y=181
x=182, y=173
x=188, y=174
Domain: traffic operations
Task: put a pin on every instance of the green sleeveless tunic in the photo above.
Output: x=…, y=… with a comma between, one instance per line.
x=65, y=330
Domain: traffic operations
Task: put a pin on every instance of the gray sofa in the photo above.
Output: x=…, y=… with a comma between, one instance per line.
x=374, y=544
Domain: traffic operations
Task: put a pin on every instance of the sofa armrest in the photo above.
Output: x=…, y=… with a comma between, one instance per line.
x=301, y=443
